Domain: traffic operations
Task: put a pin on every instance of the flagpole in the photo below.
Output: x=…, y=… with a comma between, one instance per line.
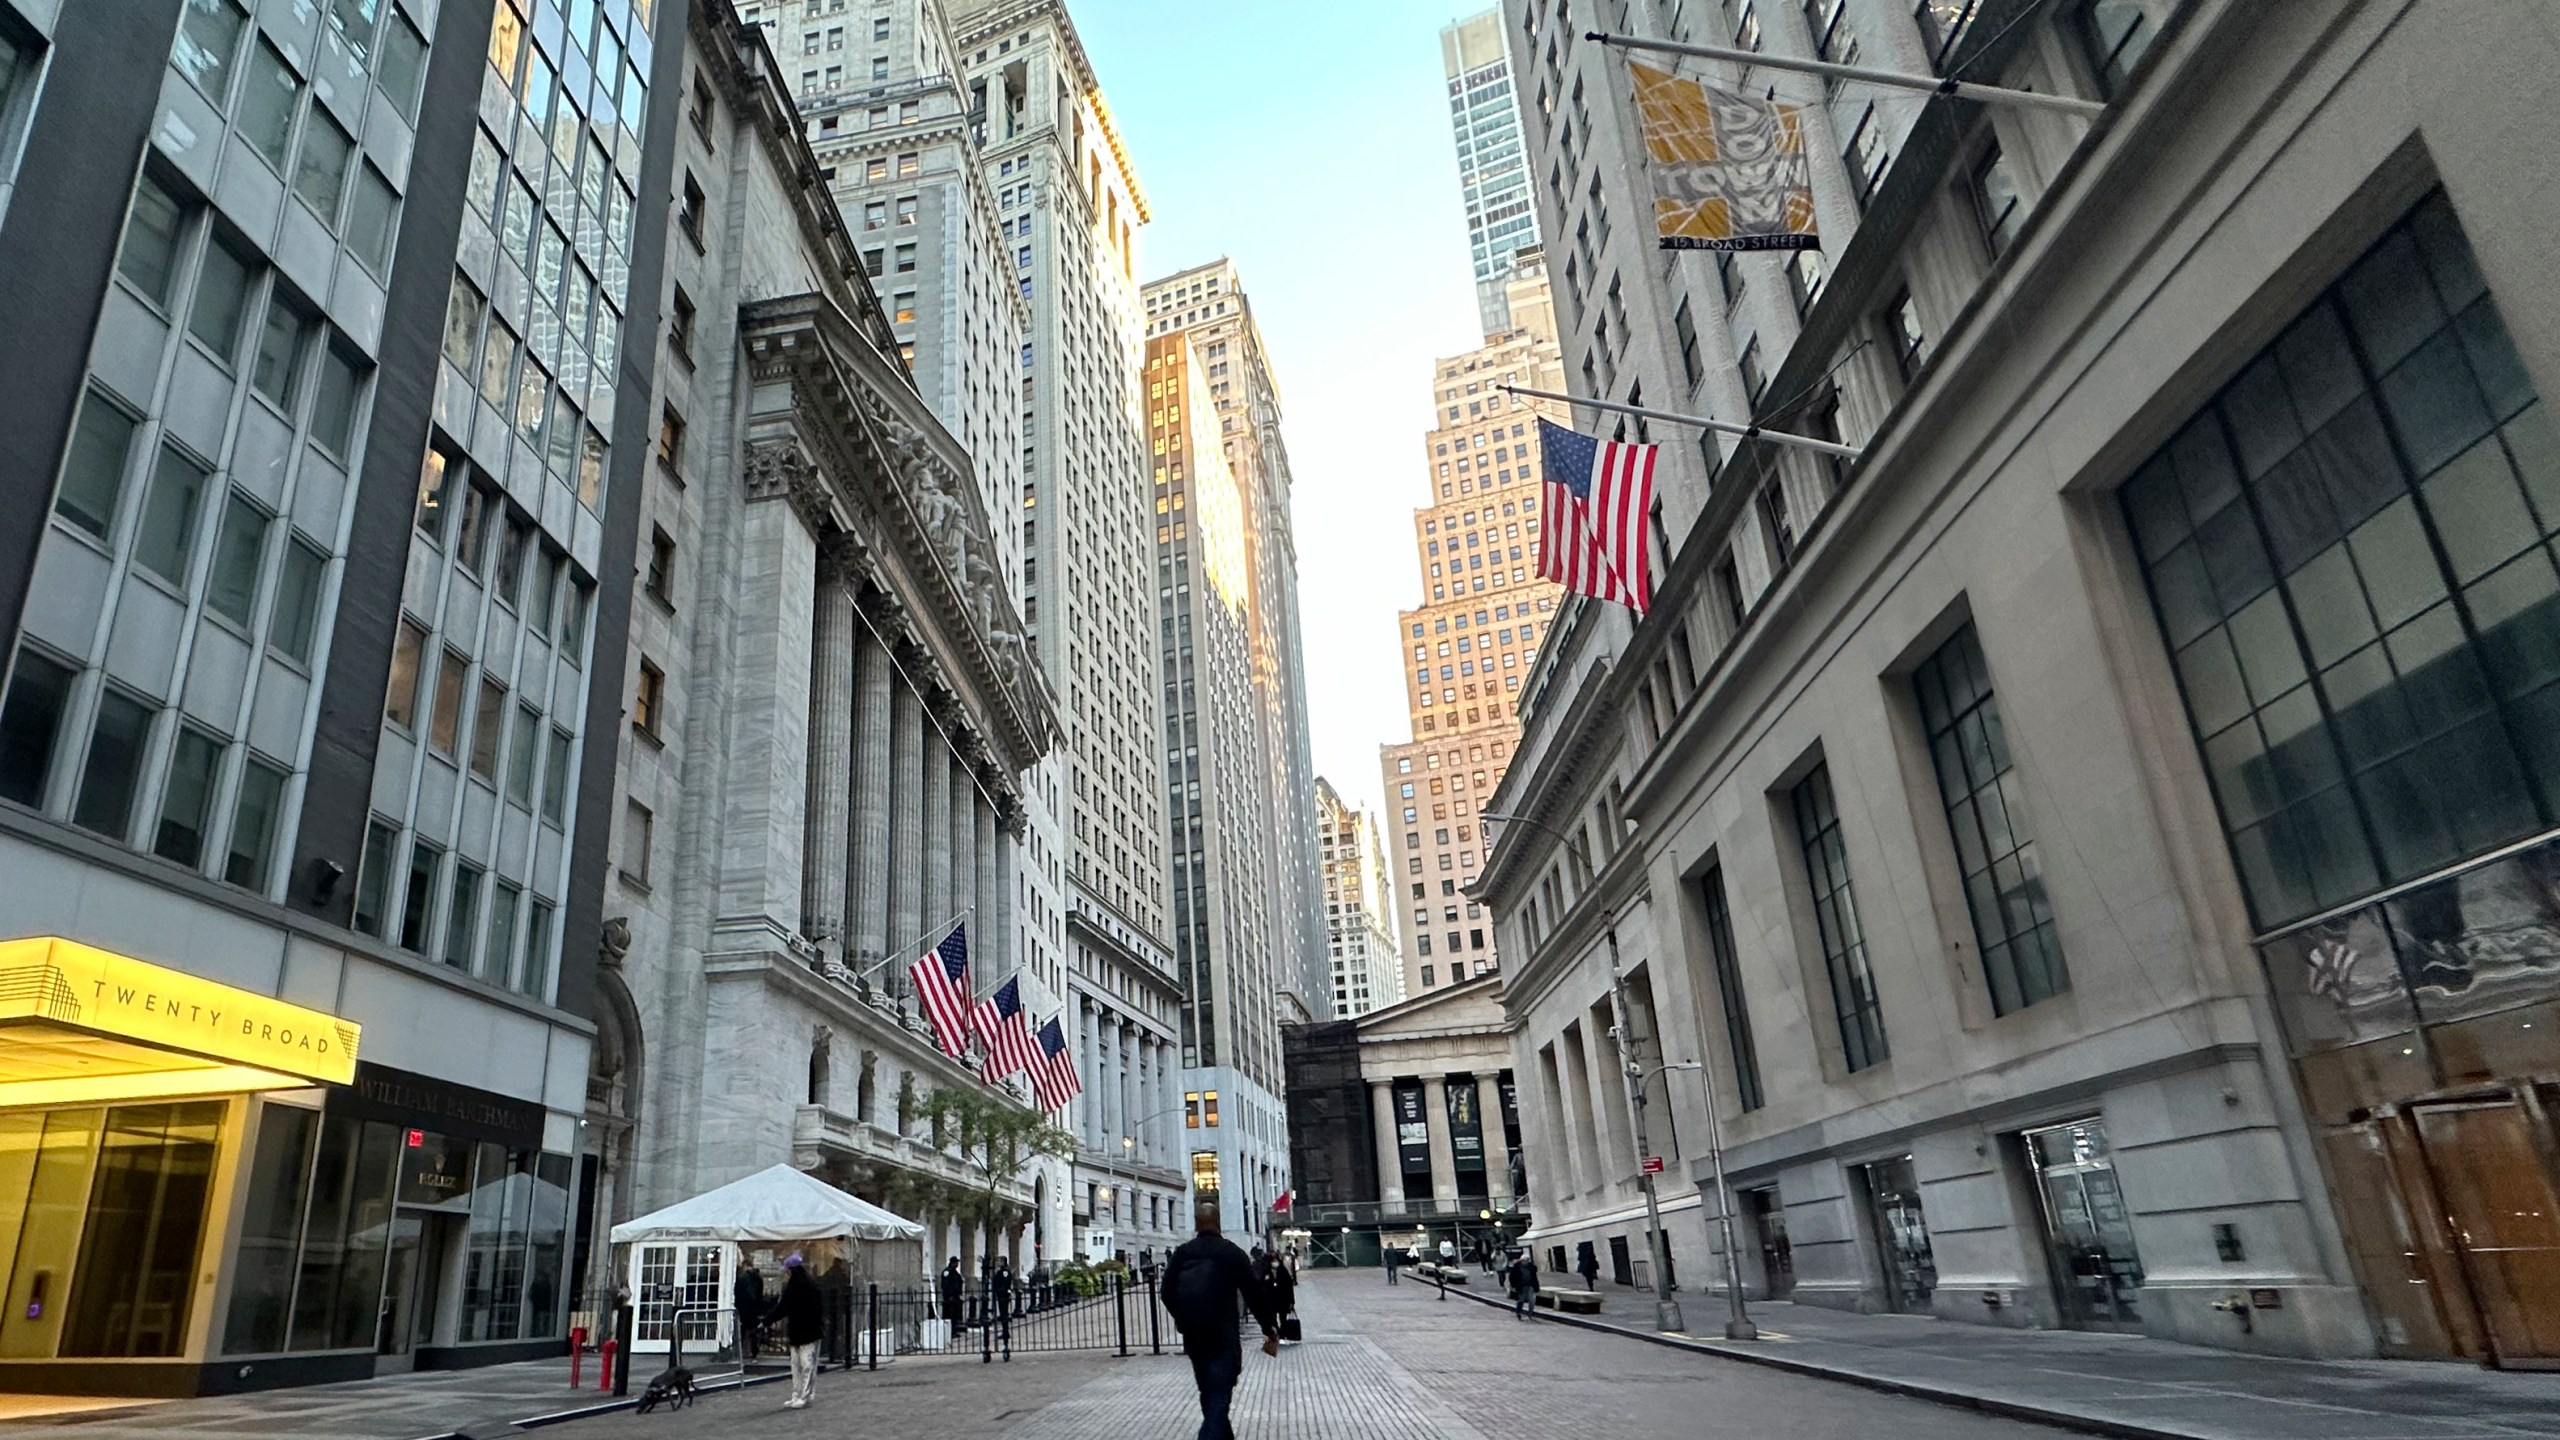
x=1958, y=89
x=1721, y=427
x=937, y=934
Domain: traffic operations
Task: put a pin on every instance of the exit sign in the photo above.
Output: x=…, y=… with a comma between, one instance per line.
x=1653, y=1164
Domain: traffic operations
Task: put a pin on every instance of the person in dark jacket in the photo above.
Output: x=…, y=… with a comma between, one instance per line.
x=1207, y=1278
x=1004, y=1288
x=747, y=1294
x=1283, y=1285
x=1524, y=1286
x=802, y=1314
x=1590, y=1268
x=952, y=1284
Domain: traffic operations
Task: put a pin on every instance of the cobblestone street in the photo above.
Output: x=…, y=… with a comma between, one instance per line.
x=1379, y=1364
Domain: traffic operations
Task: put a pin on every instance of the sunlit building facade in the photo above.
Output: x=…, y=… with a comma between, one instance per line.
x=1476, y=634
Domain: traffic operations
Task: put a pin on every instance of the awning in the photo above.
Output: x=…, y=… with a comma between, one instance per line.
x=779, y=1204
x=81, y=1025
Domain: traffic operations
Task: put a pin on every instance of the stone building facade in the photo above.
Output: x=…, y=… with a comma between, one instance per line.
x=1069, y=210
x=1405, y=1127
x=832, y=707
x=2023, y=823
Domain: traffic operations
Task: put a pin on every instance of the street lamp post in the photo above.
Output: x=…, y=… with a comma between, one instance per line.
x=1738, y=1326
x=1666, y=1311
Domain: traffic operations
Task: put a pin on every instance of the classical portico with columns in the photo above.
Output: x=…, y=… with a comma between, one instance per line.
x=1404, y=1126
x=832, y=710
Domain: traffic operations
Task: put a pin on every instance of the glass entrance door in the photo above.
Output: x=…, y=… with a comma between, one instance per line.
x=1902, y=1235
x=409, y=1294
x=1769, y=1222
x=2086, y=1228
x=2492, y=1161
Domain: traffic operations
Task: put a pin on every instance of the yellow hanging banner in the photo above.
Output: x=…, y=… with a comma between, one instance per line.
x=1729, y=170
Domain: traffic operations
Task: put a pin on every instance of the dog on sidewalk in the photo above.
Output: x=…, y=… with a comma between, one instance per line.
x=671, y=1388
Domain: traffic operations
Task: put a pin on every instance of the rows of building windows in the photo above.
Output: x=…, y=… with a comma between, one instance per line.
x=2353, y=553
x=163, y=692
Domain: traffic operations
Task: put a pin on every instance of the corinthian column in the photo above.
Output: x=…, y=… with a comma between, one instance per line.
x=936, y=831
x=822, y=887
x=871, y=861
x=997, y=945
x=964, y=844
x=906, y=892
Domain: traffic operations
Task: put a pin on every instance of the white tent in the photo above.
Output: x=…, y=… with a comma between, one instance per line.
x=779, y=1205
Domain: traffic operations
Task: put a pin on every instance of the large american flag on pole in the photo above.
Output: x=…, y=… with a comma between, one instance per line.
x=1054, y=1079
x=1007, y=1033
x=941, y=978
x=1599, y=499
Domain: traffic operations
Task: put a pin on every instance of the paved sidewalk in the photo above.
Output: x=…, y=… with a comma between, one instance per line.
x=2124, y=1385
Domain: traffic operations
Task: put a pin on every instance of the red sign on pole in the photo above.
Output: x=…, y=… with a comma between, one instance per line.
x=1653, y=1164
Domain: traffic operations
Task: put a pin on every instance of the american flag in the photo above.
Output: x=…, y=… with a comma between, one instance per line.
x=941, y=978
x=1007, y=1033
x=1599, y=497
x=1054, y=1079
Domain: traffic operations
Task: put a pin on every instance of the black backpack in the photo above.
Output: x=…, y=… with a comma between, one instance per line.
x=1194, y=1295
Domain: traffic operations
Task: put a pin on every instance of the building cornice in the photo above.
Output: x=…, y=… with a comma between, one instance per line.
x=840, y=434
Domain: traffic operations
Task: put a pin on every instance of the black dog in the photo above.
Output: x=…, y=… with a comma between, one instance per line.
x=671, y=1388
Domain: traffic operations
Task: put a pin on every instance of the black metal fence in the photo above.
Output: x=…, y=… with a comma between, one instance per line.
x=868, y=1324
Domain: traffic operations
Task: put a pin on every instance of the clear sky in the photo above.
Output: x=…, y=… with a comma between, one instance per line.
x=1310, y=141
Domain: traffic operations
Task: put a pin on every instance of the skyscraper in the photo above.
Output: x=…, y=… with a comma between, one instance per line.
x=1208, y=302
x=1476, y=634
x=1493, y=168
x=1359, y=910
x=1249, y=942
x=1068, y=209
x=331, y=332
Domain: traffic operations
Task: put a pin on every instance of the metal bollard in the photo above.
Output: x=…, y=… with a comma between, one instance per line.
x=577, y=1352
x=1155, y=1320
x=871, y=1332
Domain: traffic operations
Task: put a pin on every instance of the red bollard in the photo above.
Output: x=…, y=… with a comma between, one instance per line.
x=604, y=1377
x=577, y=1352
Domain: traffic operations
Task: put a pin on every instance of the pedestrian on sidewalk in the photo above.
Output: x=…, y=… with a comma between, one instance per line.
x=1590, y=1268
x=1394, y=1256
x=746, y=1296
x=1004, y=1289
x=1283, y=1284
x=1524, y=1287
x=952, y=1284
x=803, y=1317
x=1206, y=1284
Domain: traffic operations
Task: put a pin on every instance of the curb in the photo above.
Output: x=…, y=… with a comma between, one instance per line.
x=1954, y=1399
x=626, y=1402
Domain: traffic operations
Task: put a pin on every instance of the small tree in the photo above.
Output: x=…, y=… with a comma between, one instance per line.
x=997, y=1135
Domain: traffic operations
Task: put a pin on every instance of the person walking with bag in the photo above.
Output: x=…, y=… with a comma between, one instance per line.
x=802, y=1314
x=1524, y=1286
x=1207, y=1285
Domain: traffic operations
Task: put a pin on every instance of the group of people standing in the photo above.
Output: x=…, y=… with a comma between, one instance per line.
x=1518, y=1269
x=1005, y=1297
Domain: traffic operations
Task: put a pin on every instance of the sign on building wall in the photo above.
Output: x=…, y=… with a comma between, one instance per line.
x=1413, y=1132
x=1466, y=1126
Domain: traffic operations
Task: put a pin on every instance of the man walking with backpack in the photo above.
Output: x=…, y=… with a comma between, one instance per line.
x=1206, y=1284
